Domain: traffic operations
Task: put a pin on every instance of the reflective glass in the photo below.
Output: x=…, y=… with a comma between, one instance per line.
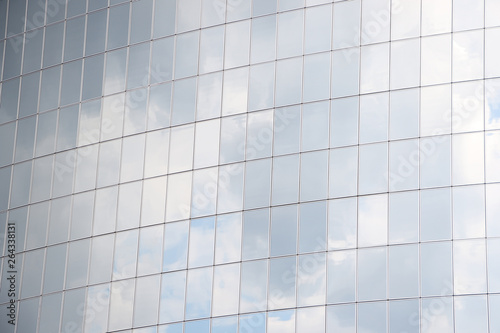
x=147, y=292
x=471, y=314
x=372, y=220
x=164, y=18
x=31, y=284
x=118, y=26
x=125, y=257
x=435, y=214
x=209, y=97
x=42, y=178
x=400, y=311
x=468, y=212
x=312, y=227
x=342, y=223
x=404, y=114
x=492, y=104
x=10, y=97
x=436, y=57
x=282, y=283
x=101, y=259
x=253, y=286
x=55, y=265
x=318, y=29
x=121, y=304
x=283, y=230
x=491, y=52
x=372, y=276
x=235, y=91
x=178, y=197
x=346, y=24
x=181, y=148
x=263, y=37
x=199, y=293
x=469, y=266
x=28, y=104
x=403, y=164
x=28, y=311
x=435, y=161
x=21, y=176
x=52, y=51
x=211, y=49
x=226, y=289
x=290, y=33
x=92, y=77
x=45, y=134
x=132, y=164
x=493, y=266
x=311, y=283
x=129, y=206
x=154, y=193
x=238, y=10
x=188, y=15
x=405, y=64
x=403, y=271
x=259, y=135
x=100, y=322
x=60, y=210
x=149, y=259
x=228, y=238
x=375, y=21
x=77, y=267
x=281, y=321
x=186, y=54
x=156, y=154
x=261, y=87
x=468, y=158
x=37, y=225
x=50, y=312
x=468, y=15
x=237, y=44
x=201, y=242
x=142, y=12
x=345, y=72
x=95, y=38
x=372, y=317
x=175, y=246
x=492, y=210
x=311, y=320
x=114, y=80
x=316, y=84
x=437, y=321
x=212, y=13
x=288, y=81
x=159, y=106
x=468, y=55
x=49, y=92
x=403, y=217
x=225, y=325
x=373, y=118
x=204, y=192
x=285, y=186
x=341, y=276
x=109, y=162
x=162, y=60
x=374, y=68
x=138, y=67
x=286, y=130
x=82, y=213
x=255, y=234
x=72, y=299
x=468, y=113
x=344, y=122
x=343, y=176
x=232, y=138
x=373, y=168
x=313, y=173
x=405, y=19
x=173, y=288
x=67, y=128
x=436, y=16
x=341, y=318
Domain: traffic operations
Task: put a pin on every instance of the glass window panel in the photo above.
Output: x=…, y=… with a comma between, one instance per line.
x=287, y=123
x=50, y=313
x=257, y=183
x=468, y=15
x=261, y=87
x=212, y=13
x=149, y=259
x=72, y=299
x=37, y=225
x=109, y=163
x=60, y=212
x=341, y=318
x=162, y=60
x=20, y=217
x=209, y=98
x=49, y=91
x=175, y=246
x=67, y=128
x=188, y=15
x=492, y=104
x=492, y=210
x=263, y=42
x=468, y=55
x=64, y=169
x=203, y=198
x=491, y=12
x=341, y=276
x=494, y=307
x=132, y=158
x=186, y=54
x=226, y=289
x=106, y=202
x=235, y=91
x=96, y=24
x=436, y=59
x=281, y=290
x=10, y=96
x=118, y=26
x=372, y=317
x=373, y=168
x=371, y=274
x=288, y=81
x=46, y=130
x=311, y=320
x=82, y=213
x=405, y=64
x=146, y=301
x=313, y=175
x=469, y=266
x=281, y=321
x=230, y=188
x=343, y=176
x=285, y=179
x=253, y=286
x=318, y=29
x=55, y=266
x=467, y=113
x=403, y=217
x=199, y=293
x=28, y=104
x=77, y=267
x=436, y=269
x=312, y=227
x=404, y=114
x=28, y=312
x=468, y=212
x=153, y=200
x=42, y=178
x=228, y=238
x=159, y=106
x=492, y=156
x=31, y=284
x=492, y=52
x=232, y=139
x=129, y=206
x=376, y=21
x=290, y=33
x=435, y=214
x=263, y=7
x=311, y=285
x=71, y=79
x=181, y=148
x=372, y=220
x=121, y=304
x=468, y=158
x=53, y=44
x=178, y=197
x=100, y=321
x=225, y=325
x=101, y=260
x=290, y=4
x=259, y=135
x=237, y=46
x=342, y=223
x=138, y=68
x=211, y=49
x=255, y=234
x=403, y=316
x=125, y=257
x=142, y=11
x=344, y=122
x=201, y=242
x=284, y=230
x=201, y=326
x=238, y=10
x=20, y=192
x=405, y=20
x=436, y=16
x=4, y=192
x=435, y=161
x=373, y=117
x=493, y=265
x=403, y=271
x=437, y=321
x=156, y=155
x=184, y=104
x=316, y=77
x=403, y=164
x=92, y=77
x=374, y=68
x=13, y=48
x=471, y=314
x=346, y=24
x=164, y=15
x=114, y=80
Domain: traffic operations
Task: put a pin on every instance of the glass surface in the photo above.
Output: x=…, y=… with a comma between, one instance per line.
x=238, y=10
x=288, y=81
x=129, y=205
x=345, y=72
x=153, y=200
x=372, y=220
x=341, y=276
x=28, y=311
x=468, y=111
x=121, y=304
x=175, y=246
x=237, y=45
x=492, y=210
x=468, y=55
x=313, y=173
x=471, y=313
x=261, y=87
x=259, y=135
x=311, y=320
x=284, y=230
x=437, y=321
x=468, y=212
x=37, y=225
x=82, y=213
x=156, y=154
x=282, y=283
x=132, y=158
x=373, y=168
x=52, y=50
x=316, y=84
x=28, y=104
x=142, y=11
x=67, y=128
x=343, y=176
x=492, y=114
x=405, y=64
x=173, y=288
x=188, y=15
x=492, y=157
x=164, y=18
x=31, y=284
x=212, y=13
x=469, y=266
x=114, y=80
x=149, y=259
x=372, y=272
x=186, y=54
x=318, y=29
x=286, y=130
x=42, y=178
x=10, y=96
x=226, y=289
x=49, y=92
x=159, y=106
x=341, y=318
x=118, y=27
x=181, y=148
x=493, y=267
x=50, y=312
x=491, y=52
x=209, y=97
x=125, y=257
x=405, y=19
x=436, y=57
x=468, y=158
x=109, y=162
x=375, y=21
x=435, y=165
x=290, y=33
x=311, y=283
x=178, y=197
x=342, y=223
x=55, y=265
x=147, y=292
x=138, y=66
x=467, y=15
x=211, y=48
x=436, y=16
x=312, y=227
x=435, y=214
x=228, y=238
x=101, y=292
x=436, y=269
x=225, y=325
x=162, y=60
x=201, y=242
x=255, y=237
x=135, y=111
x=344, y=122
x=253, y=286
x=45, y=136
x=95, y=38
x=403, y=164
x=404, y=114
x=399, y=311
x=403, y=217
x=77, y=267
x=204, y=192
x=285, y=186
x=403, y=271
x=199, y=293
x=346, y=24
x=263, y=38
x=372, y=317
x=58, y=220
x=232, y=138
x=235, y=91
x=101, y=259
x=373, y=118
x=374, y=68
x=21, y=176
x=92, y=77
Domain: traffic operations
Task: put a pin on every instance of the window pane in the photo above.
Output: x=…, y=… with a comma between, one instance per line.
x=261, y=87
x=253, y=286
x=403, y=217
x=373, y=118
x=82, y=214
x=146, y=301
x=209, y=98
x=372, y=220
x=436, y=269
x=175, y=246
x=469, y=266
x=228, y=238
x=235, y=91
x=281, y=292
x=436, y=57
x=129, y=206
x=118, y=26
x=290, y=33
x=345, y=72
x=315, y=126
x=159, y=106
x=372, y=275
x=311, y=286
x=76, y=271
x=138, y=67
x=468, y=101
x=373, y=168
x=399, y=314
x=376, y=21
x=149, y=259
x=186, y=54
x=232, y=147
x=283, y=230
x=204, y=195
x=288, y=81
x=372, y=317
x=492, y=52
x=471, y=313
x=199, y=293
x=468, y=212
x=468, y=15
x=435, y=214
x=141, y=12
x=468, y=54
x=374, y=68
x=405, y=20
x=403, y=271
x=96, y=24
x=346, y=24
x=132, y=158
x=125, y=257
x=313, y=173
x=341, y=318
x=116, y=62
x=173, y=286
x=436, y=16
x=287, y=125
x=263, y=42
x=178, y=196
x=312, y=227
x=181, y=148
x=342, y=223
x=259, y=134
x=435, y=165
x=343, y=176
x=237, y=46
x=230, y=188
x=153, y=200
x=226, y=289
x=285, y=179
x=101, y=260
x=403, y=164
x=344, y=122
x=318, y=29
x=468, y=158
x=341, y=276
x=255, y=234
x=404, y=114
x=52, y=51
x=211, y=49
x=405, y=64
x=121, y=304
x=201, y=242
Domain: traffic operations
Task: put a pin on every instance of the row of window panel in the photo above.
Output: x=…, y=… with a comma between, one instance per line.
x=400, y=165
x=437, y=110
x=287, y=282
x=444, y=314
x=286, y=230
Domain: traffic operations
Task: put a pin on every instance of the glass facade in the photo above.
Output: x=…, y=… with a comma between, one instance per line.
x=250, y=166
